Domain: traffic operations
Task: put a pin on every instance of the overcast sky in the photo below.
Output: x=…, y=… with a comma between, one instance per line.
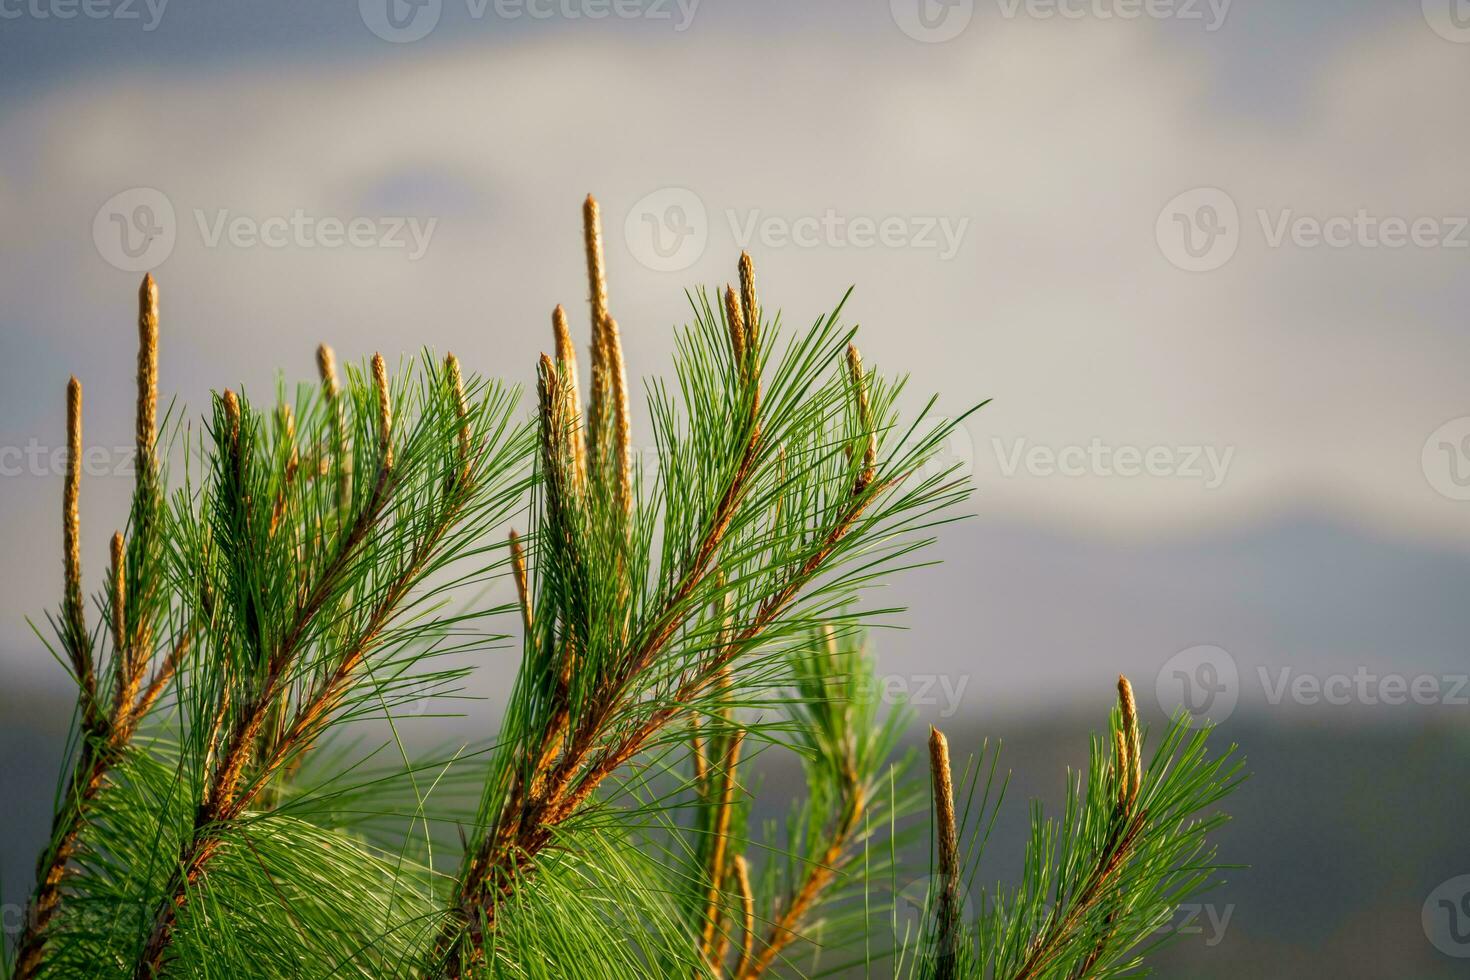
x=1209, y=261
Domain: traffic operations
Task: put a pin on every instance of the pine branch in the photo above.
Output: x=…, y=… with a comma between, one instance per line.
x=947, y=912
x=631, y=622
x=397, y=533
x=845, y=748
x=1126, y=853
x=134, y=613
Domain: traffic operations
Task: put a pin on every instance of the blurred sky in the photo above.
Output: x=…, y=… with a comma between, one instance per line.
x=1256, y=439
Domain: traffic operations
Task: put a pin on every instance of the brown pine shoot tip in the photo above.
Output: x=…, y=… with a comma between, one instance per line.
x=523, y=590
x=127, y=658
x=947, y=905
x=385, y=410
x=747, y=915
x=749, y=306
x=71, y=517
x=147, y=416
x=232, y=419
x=944, y=814
x=461, y=410
x=326, y=366
x=597, y=301
x=1128, y=708
x=596, y=276
x=1123, y=767
x=735, y=318
x=622, y=416
x=119, y=596
x=566, y=365
x=865, y=417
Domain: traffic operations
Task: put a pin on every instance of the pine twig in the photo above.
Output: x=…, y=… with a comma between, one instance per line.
x=719, y=842
x=1127, y=826
x=566, y=367
x=821, y=875
x=947, y=911
x=747, y=916
x=597, y=300
x=105, y=737
x=221, y=800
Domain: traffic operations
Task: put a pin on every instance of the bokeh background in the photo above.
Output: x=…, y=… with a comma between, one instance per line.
x=1209, y=259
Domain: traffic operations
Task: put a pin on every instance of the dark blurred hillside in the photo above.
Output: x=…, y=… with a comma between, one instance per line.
x=1347, y=824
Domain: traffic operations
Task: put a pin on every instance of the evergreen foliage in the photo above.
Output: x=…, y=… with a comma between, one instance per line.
x=319, y=571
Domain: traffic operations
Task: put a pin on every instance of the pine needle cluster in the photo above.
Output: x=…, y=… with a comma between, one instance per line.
x=318, y=570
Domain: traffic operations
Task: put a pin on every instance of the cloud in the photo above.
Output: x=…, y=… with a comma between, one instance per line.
x=1056, y=144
